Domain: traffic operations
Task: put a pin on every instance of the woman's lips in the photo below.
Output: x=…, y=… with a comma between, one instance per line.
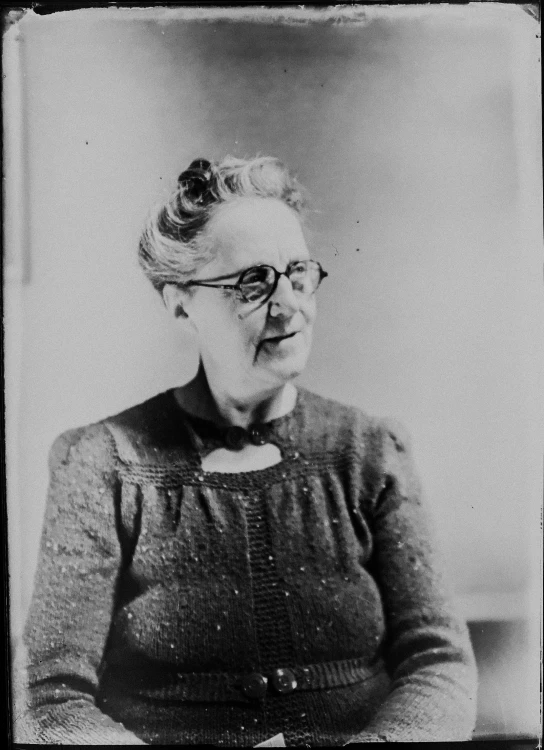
x=276, y=341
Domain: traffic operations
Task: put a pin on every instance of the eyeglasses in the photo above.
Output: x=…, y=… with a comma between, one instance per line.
x=258, y=283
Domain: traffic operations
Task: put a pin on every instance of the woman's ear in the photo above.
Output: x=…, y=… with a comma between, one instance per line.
x=174, y=300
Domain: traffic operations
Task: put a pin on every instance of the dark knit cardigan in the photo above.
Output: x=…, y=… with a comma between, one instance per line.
x=160, y=587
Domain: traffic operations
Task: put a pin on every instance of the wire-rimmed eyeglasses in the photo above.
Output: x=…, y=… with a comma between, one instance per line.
x=258, y=283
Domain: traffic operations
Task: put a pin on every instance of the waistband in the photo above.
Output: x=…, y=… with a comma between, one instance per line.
x=246, y=687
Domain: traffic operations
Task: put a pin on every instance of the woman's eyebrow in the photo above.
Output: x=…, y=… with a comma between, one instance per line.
x=224, y=277
x=238, y=273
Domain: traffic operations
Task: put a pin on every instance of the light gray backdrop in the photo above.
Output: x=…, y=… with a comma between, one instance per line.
x=412, y=131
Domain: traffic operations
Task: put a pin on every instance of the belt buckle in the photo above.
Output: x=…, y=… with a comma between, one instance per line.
x=254, y=685
x=283, y=681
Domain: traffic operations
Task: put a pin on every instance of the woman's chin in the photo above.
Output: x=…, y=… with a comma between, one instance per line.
x=285, y=368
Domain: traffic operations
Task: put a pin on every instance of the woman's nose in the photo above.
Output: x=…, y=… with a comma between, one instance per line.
x=284, y=301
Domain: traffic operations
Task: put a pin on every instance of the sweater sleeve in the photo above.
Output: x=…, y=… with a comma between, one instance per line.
x=428, y=650
x=74, y=595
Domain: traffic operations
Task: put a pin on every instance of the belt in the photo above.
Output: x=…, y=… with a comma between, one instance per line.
x=222, y=686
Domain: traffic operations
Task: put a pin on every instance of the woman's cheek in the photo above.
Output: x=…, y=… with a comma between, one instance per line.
x=309, y=311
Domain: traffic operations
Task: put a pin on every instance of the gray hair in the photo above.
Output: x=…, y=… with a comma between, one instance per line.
x=172, y=245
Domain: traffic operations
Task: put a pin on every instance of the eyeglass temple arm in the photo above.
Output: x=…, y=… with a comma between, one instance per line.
x=212, y=286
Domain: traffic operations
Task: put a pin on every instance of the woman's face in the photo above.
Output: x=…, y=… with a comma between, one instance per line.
x=242, y=342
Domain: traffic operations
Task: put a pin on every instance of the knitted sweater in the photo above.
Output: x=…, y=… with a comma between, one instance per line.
x=160, y=588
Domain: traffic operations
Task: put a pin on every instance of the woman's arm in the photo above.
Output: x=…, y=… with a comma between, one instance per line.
x=428, y=650
x=74, y=595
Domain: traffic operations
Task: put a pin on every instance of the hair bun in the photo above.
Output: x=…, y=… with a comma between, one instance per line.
x=196, y=180
x=200, y=165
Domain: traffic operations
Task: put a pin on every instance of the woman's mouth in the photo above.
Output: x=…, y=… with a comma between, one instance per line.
x=277, y=342
x=278, y=339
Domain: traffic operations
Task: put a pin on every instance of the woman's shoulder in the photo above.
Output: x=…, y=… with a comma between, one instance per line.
x=123, y=434
x=330, y=410
x=336, y=423
x=91, y=441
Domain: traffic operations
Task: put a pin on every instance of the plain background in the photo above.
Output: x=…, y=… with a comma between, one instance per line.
x=416, y=132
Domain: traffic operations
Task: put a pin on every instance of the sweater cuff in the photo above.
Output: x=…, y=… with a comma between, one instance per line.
x=79, y=724
x=366, y=737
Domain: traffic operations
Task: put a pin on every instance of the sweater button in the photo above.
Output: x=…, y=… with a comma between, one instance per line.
x=235, y=438
x=284, y=680
x=254, y=685
x=257, y=436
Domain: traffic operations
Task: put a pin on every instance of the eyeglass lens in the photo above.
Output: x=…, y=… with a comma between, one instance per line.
x=258, y=282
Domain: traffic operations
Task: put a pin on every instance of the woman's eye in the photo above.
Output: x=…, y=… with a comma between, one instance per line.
x=255, y=276
x=297, y=269
x=297, y=275
x=255, y=283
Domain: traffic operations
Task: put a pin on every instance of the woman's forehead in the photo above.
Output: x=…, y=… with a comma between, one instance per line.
x=256, y=230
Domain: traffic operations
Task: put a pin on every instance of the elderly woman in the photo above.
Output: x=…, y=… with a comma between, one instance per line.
x=237, y=558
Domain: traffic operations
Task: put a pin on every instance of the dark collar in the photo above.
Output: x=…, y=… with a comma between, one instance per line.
x=231, y=437
x=207, y=436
